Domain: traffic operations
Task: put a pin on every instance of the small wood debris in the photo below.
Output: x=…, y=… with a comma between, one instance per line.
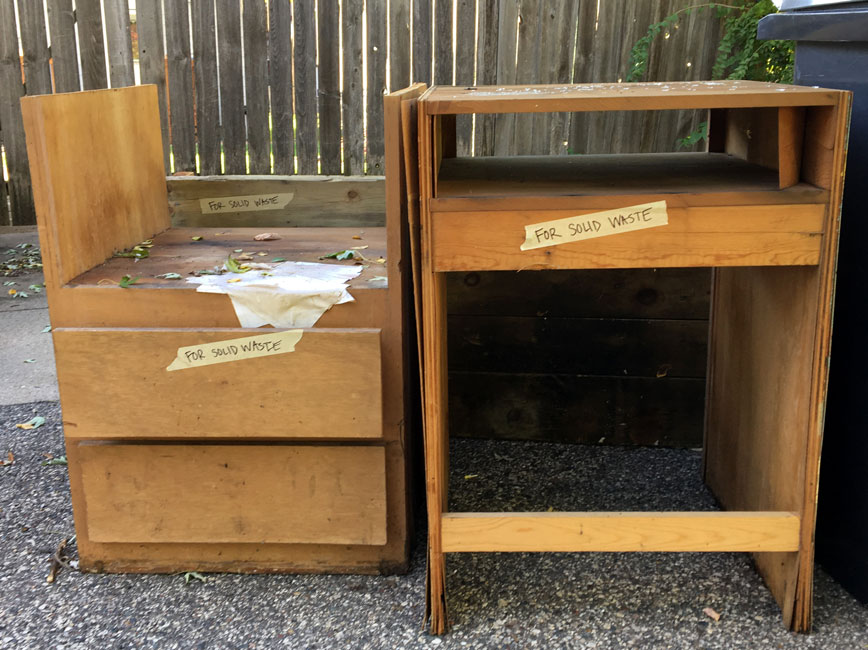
x=711, y=614
x=266, y=236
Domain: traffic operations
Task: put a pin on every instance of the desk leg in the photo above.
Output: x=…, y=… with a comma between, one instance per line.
x=436, y=440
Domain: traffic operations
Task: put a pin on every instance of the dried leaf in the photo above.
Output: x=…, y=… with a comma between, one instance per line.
x=170, y=276
x=12, y=292
x=260, y=254
x=711, y=613
x=36, y=422
x=358, y=248
x=244, y=258
x=267, y=236
x=10, y=458
x=467, y=477
x=380, y=260
x=663, y=370
x=234, y=280
x=357, y=236
x=197, y=238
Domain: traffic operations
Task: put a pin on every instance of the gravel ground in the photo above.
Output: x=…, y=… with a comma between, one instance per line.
x=601, y=600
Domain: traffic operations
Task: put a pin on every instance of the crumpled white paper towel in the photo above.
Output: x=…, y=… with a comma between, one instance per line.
x=292, y=294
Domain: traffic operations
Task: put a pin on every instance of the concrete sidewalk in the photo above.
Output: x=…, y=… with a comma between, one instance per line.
x=26, y=352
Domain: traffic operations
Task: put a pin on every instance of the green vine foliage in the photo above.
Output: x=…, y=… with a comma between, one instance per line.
x=739, y=55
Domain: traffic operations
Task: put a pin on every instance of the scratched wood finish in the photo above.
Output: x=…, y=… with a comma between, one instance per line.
x=259, y=494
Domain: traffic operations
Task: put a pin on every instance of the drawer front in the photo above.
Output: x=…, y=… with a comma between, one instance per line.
x=115, y=383
x=153, y=493
x=746, y=235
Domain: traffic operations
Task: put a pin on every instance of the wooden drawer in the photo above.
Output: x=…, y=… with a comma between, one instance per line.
x=115, y=383
x=145, y=493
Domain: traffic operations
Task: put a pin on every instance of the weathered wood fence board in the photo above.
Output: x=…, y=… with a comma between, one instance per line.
x=300, y=84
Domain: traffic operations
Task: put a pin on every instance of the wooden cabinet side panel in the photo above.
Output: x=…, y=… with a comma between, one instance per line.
x=99, y=181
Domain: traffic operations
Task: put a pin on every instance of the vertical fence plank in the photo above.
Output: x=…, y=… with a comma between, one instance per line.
x=399, y=44
x=88, y=14
x=375, y=14
x=11, y=125
x=353, y=96
x=628, y=126
x=304, y=69
x=443, y=42
x=421, y=44
x=504, y=140
x=486, y=71
x=231, y=86
x=64, y=55
x=205, y=83
x=280, y=78
x=610, y=24
x=152, y=62
x=119, y=43
x=255, y=35
x=583, y=71
x=180, y=85
x=465, y=46
x=328, y=47
x=34, y=44
x=527, y=69
x=557, y=42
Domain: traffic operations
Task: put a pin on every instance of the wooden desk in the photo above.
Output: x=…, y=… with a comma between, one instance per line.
x=761, y=207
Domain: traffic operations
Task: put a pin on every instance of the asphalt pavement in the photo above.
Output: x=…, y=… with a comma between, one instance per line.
x=593, y=600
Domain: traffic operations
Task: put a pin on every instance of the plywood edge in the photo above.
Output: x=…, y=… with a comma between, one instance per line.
x=620, y=531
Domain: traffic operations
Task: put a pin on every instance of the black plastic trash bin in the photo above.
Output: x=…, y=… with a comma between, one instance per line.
x=832, y=51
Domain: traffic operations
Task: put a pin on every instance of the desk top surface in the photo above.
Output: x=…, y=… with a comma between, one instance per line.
x=622, y=96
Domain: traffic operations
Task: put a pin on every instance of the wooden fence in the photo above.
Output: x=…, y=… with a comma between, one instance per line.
x=295, y=86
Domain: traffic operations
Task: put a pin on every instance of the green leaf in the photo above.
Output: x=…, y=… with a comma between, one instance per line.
x=279, y=259
x=170, y=276
x=193, y=575
x=30, y=361
x=238, y=250
x=127, y=281
x=21, y=294
x=196, y=238
x=46, y=329
x=35, y=287
x=8, y=283
x=233, y=266
x=340, y=255
x=60, y=460
x=36, y=422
